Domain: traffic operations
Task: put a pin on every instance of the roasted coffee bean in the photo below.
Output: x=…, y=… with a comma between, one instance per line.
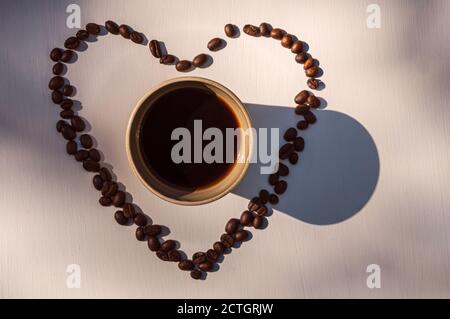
x=94, y=155
x=68, y=90
x=241, y=235
x=60, y=124
x=105, y=174
x=199, y=257
x=287, y=41
x=155, y=49
x=312, y=71
x=105, y=187
x=140, y=235
x=153, y=243
x=81, y=155
x=66, y=114
x=86, y=141
x=71, y=43
x=168, y=245
x=82, y=35
x=273, y=179
x=196, y=274
x=264, y=194
x=264, y=29
x=261, y=211
x=290, y=134
x=93, y=28
x=71, y=148
x=219, y=247
x=310, y=117
x=57, y=97
x=112, y=27
x=119, y=199
x=58, y=68
x=308, y=63
x=254, y=204
x=124, y=31
x=297, y=47
x=232, y=226
x=280, y=188
x=66, y=104
x=140, y=219
x=302, y=125
x=68, y=132
x=183, y=65
x=136, y=37
x=299, y=144
x=162, y=255
x=56, y=83
x=91, y=166
x=120, y=218
x=286, y=150
x=273, y=199
x=313, y=101
x=277, y=33
x=251, y=30
x=230, y=30
x=55, y=54
x=301, y=97
x=301, y=57
x=129, y=210
x=227, y=240
x=215, y=44
x=167, y=59
x=67, y=56
x=212, y=255
x=110, y=189
x=258, y=222
x=105, y=202
x=174, y=255
x=293, y=159
x=200, y=60
x=98, y=182
x=302, y=109
x=152, y=230
x=246, y=218
x=206, y=266
x=313, y=84
x=186, y=265
x=283, y=170
x=77, y=123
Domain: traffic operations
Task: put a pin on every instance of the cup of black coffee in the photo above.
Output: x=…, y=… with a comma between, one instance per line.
x=179, y=140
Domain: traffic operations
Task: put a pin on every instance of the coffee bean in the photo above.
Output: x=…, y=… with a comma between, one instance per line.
x=196, y=274
x=56, y=83
x=183, y=65
x=264, y=195
x=124, y=31
x=94, y=155
x=199, y=257
x=67, y=56
x=71, y=43
x=66, y=104
x=251, y=30
x=68, y=132
x=60, y=124
x=241, y=235
x=277, y=33
x=66, y=114
x=297, y=47
x=186, y=265
x=312, y=71
x=308, y=63
x=174, y=255
x=293, y=159
x=286, y=150
x=290, y=134
x=57, y=97
x=280, y=188
x=206, y=266
x=58, y=68
x=140, y=235
x=313, y=101
x=129, y=210
x=313, y=84
x=81, y=155
x=68, y=90
x=155, y=49
x=200, y=60
x=168, y=245
x=273, y=179
x=162, y=255
x=215, y=44
x=273, y=199
x=301, y=97
x=110, y=189
x=119, y=199
x=310, y=117
x=287, y=41
x=91, y=166
x=167, y=59
x=152, y=230
x=246, y=218
x=299, y=144
x=283, y=170
x=212, y=255
x=82, y=35
x=120, y=218
x=153, y=243
x=93, y=28
x=261, y=211
x=254, y=204
x=301, y=109
x=258, y=222
x=227, y=240
x=301, y=57
x=55, y=54
x=105, y=202
x=140, y=219
x=71, y=148
x=136, y=37
x=77, y=123
x=98, y=182
x=219, y=247
x=302, y=125
x=105, y=174
x=264, y=29
x=112, y=27
x=232, y=226
x=86, y=141
x=230, y=30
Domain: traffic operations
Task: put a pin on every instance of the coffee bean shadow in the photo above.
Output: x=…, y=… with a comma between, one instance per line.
x=237, y=32
x=336, y=175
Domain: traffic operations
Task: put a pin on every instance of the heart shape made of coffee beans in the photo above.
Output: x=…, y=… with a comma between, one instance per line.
x=113, y=194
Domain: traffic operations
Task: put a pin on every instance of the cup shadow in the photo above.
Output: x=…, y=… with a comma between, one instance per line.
x=337, y=172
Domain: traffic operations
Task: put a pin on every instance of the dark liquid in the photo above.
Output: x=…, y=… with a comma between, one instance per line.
x=179, y=108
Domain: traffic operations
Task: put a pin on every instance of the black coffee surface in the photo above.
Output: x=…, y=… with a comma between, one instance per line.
x=179, y=108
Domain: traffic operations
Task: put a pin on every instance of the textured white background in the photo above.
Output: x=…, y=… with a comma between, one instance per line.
x=393, y=81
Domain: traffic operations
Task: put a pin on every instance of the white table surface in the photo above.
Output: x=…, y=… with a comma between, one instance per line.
x=372, y=186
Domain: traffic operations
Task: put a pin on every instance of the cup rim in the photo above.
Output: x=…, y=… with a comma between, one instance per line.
x=132, y=118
